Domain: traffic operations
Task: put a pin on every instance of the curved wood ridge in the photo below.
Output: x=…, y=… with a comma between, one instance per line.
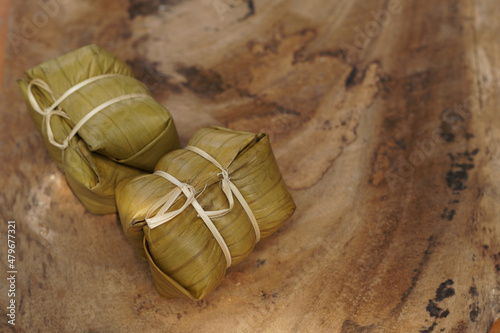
x=383, y=116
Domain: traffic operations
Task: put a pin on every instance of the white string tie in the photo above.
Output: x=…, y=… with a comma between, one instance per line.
x=228, y=188
x=54, y=109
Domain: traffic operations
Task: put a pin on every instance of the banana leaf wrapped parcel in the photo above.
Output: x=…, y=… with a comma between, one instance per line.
x=99, y=123
x=203, y=209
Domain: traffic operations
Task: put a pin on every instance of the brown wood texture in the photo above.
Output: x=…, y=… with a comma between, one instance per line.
x=4, y=18
x=384, y=121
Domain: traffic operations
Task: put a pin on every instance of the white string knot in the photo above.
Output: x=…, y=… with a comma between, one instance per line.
x=54, y=109
x=228, y=188
x=48, y=112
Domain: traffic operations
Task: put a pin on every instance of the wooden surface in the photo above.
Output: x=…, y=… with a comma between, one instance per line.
x=397, y=187
x=4, y=18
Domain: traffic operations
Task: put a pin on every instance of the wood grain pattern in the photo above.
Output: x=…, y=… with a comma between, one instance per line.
x=384, y=120
x=4, y=18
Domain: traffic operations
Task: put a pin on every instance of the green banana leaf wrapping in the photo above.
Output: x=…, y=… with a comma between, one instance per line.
x=185, y=259
x=122, y=140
